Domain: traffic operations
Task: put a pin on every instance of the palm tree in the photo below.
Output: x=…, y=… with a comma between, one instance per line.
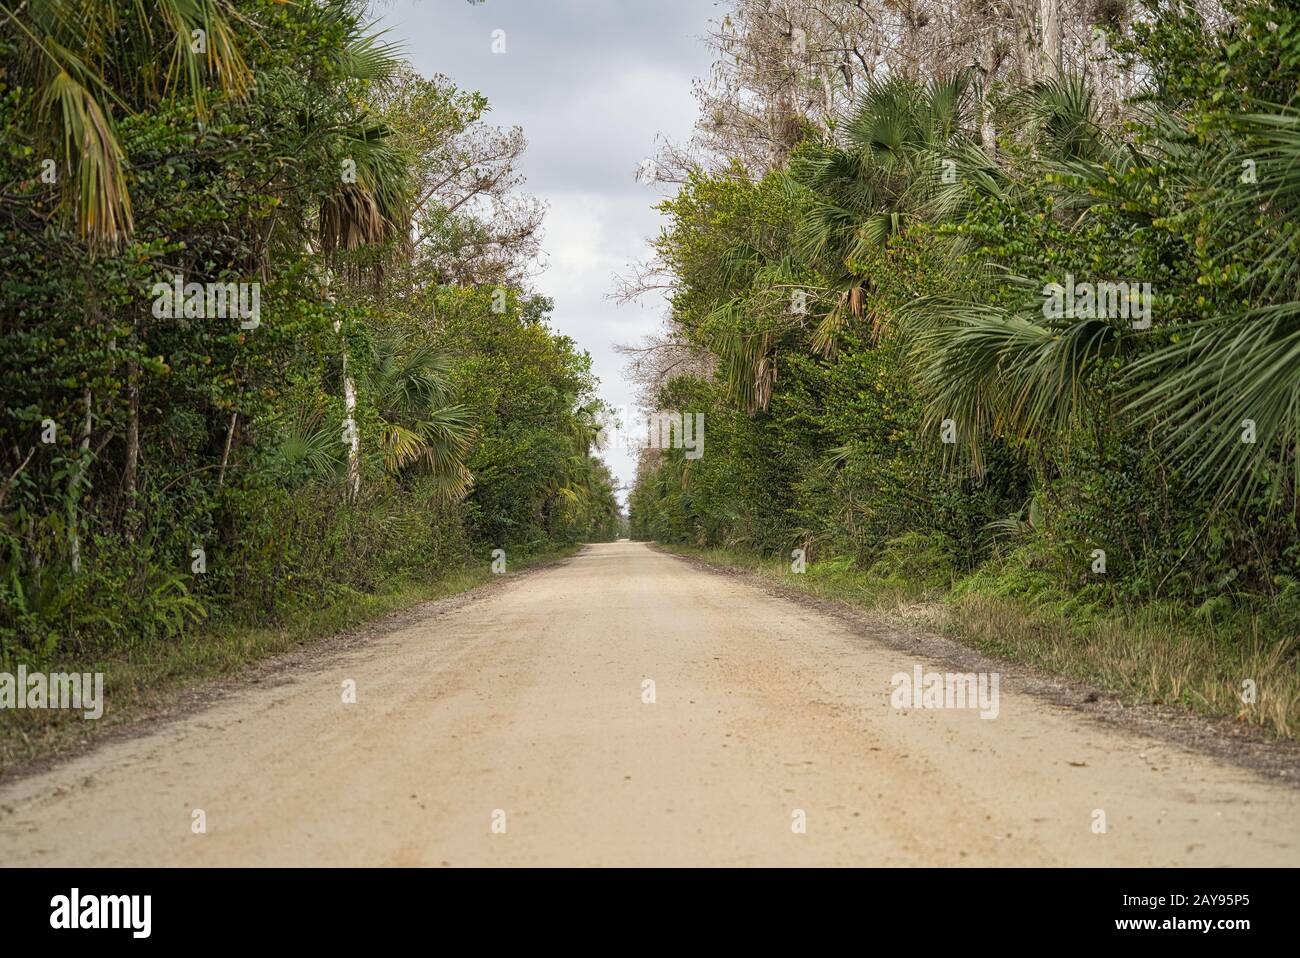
x=885, y=169
x=1224, y=391
x=896, y=160
x=90, y=60
x=372, y=207
x=423, y=431
x=1219, y=395
x=369, y=206
x=1007, y=369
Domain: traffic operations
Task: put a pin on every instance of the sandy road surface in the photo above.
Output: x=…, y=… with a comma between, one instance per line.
x=528, y=700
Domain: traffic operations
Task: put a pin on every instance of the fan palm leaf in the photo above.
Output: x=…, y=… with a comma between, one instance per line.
x=86, y=58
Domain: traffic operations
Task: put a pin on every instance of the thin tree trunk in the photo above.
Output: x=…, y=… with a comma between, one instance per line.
x=132, y=431
x=912, y=56
x=74, y=494
x=225, y=454
x=354, y=440
x=352, y=437
x=988, y=130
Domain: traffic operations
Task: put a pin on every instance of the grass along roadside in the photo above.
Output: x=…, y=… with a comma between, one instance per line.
x=154, y=676
x=1158, y=654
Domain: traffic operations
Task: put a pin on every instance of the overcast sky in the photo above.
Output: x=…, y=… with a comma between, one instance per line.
x=592, y=83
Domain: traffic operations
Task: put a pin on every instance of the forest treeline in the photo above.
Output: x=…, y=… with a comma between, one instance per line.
x=266, y=338
x=1000, y=305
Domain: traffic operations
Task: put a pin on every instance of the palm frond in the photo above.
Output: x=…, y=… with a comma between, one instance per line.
x=370, y=57
x=991, y=372
x=306, y=439
x=374, y=209
x=1224, y=399
x=91, y=149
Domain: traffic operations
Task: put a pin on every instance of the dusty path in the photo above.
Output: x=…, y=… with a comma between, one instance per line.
x=529, y=700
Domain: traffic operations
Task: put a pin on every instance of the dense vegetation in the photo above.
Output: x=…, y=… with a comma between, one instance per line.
x=889, y=388
x=398, y=406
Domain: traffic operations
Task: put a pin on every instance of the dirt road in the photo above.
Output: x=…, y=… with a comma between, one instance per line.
x=514, y=729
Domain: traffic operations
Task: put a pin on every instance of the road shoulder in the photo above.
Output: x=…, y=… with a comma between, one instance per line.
x=1238, y=744
x=140, y=711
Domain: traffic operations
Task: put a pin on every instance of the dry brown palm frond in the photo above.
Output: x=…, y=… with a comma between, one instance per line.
x=93, y=152
x=350, y=219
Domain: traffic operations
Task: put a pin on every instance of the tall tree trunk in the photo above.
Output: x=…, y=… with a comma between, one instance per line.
x=1049, y=14
x=1025, y=16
